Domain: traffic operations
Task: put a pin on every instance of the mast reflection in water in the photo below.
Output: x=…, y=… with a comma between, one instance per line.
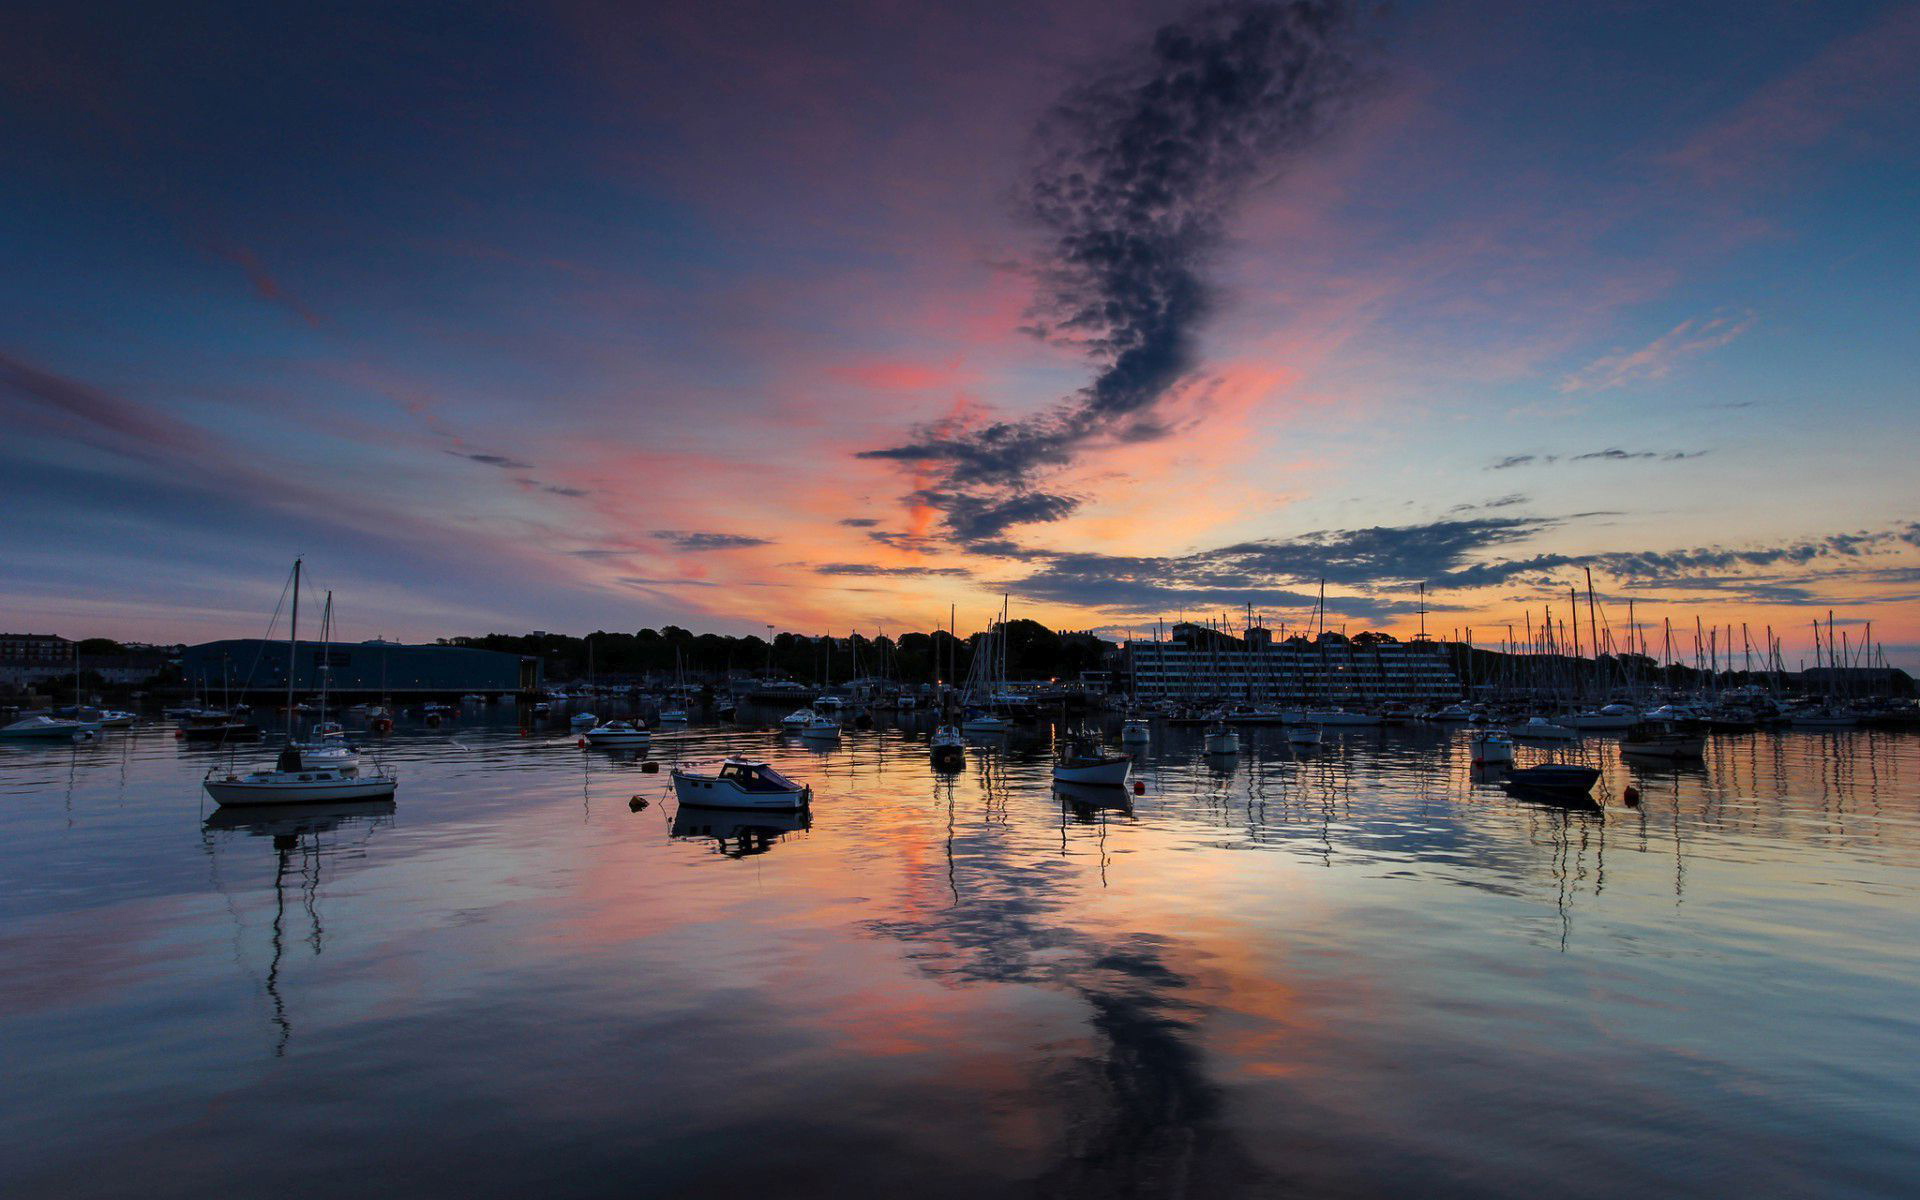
x=302, y=836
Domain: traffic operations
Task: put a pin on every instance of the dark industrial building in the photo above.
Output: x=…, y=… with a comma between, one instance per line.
x=364, y=669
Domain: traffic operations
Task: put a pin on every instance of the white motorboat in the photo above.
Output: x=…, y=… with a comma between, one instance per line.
x=740, y=783
x=797, y=719
x=1222, y=739
x=585, y=720
x=1825, y=717
x=986, y=722
x=101, y=718
x=41, y=727
x=1304, y=735
x=1610, y=717
x=618, y=735
x=821, y=728
x=1675, y=741
x=1136, y=732
x=1452, y=712
x=828, y=704
x=1491, y=746
x=1540, y=729
x=673, y=716
x=1079, y=762
x=948, y=747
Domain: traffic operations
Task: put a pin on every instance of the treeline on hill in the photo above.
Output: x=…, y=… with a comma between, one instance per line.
x=1034, y=652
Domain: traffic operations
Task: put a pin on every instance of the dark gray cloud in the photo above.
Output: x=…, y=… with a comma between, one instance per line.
x=1385, y=563
x=859, y=522
x=1614, y=454
x=1507, y=501
x=493, y=460
x=680, y=539
x=871, y=569
x=554, y=488
x=1688, y=566
x=1279, y=574
x=1610, y=454
x=1137, y=174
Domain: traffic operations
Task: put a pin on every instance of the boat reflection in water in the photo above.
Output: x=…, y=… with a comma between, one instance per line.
x=739, y=833
x=1086, y=801
x=300, y=847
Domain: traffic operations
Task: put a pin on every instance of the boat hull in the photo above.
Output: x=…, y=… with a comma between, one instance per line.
x=241, y=792
x=1110, y=772
x=617, y=741
x=703, y=792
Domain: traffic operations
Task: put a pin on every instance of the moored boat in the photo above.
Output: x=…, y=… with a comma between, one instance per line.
x=618, y=735
x=740, y=783
x=41, y=727
x=1565, y=778
x=1491, y=746
x=1082, y=762
x=1540, y=729
x=1684, y=741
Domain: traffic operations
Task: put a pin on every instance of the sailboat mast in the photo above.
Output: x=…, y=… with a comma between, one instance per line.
x=293, y=638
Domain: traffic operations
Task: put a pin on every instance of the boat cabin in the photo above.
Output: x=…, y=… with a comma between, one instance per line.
x=751, y=776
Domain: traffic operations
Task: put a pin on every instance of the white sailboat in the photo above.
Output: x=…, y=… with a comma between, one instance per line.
x=293, y=780
x=986, y=674
x=675, y=713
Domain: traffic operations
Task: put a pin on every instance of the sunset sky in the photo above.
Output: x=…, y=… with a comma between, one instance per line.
x=830, y=316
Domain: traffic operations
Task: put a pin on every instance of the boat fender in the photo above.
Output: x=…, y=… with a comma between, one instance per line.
x=178, y=735
x=582, y=743
x=1632, y=797
x=649, y=767
x=1139, y=788
x=637, y=804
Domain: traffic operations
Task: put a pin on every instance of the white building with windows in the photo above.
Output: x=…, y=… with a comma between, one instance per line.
x=1198, y=664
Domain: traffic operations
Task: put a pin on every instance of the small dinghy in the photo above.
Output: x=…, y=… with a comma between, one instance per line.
x=1081, y=762
x=1222, y=738
x=1492, y=746
x=740, y=783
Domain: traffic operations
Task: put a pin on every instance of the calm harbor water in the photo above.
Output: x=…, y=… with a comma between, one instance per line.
x=1360, y=970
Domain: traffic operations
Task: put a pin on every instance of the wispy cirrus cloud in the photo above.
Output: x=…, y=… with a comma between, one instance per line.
x=870, y=569
x=1659, y=358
